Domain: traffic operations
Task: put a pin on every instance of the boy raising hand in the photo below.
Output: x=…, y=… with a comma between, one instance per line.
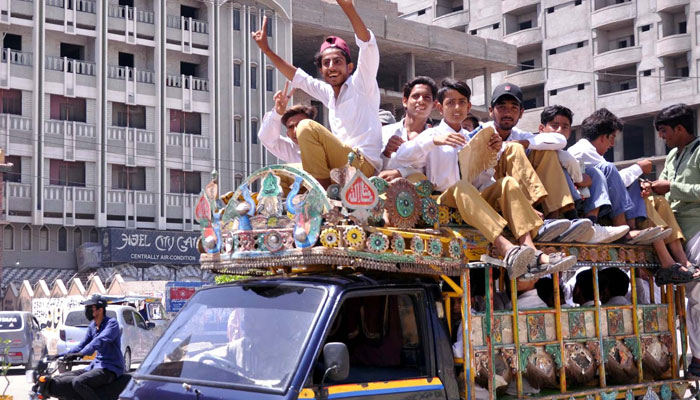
x=352, y=101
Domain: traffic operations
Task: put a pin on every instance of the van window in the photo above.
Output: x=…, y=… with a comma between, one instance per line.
x=139, y=320
x=10, y=322
x=128, y=317
x=382, y=334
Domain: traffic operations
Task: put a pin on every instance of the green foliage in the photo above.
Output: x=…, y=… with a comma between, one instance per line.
x=5, y=361
x=221, y=279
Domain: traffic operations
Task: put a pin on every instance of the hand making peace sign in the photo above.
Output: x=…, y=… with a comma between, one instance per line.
x=282, y=98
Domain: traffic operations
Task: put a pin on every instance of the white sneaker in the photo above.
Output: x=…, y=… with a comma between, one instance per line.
x=608, y=234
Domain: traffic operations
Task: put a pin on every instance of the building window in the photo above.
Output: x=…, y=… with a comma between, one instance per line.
x=237, y=130
x=527, y=65
x=68, y=109
x=496, y=25
x=253, y=22
x=253, y=77
x=254, y=131
x=624, y=86
x=44, y=239
x=128, y=178
x=577, y=2
x=473, y=31
x=269, y=79
x=15, y=173
x=188, y=12
x=185, y=122
x=94, y=236
x=581, y=86
x=553, y=92
x=552, y=52
x=646, y=28
x=684, y=72
x=62, y=239
x=269, y=27
x=238, y=180
x=646, y=72
x=77, y=237
x=128, y=116
x=237, y=74
x=185, y=182
x=13, y=42
x=421, y=12
x=236, y=19
x=683, y=27
x=525, y=25
x=8, y=238
x=67, y=173
x=11, y=101
x=529, y=103
x=27, y=238
x=550, y=10
x=580, y=44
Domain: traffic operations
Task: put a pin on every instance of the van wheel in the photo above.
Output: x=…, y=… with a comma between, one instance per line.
x=127, y=360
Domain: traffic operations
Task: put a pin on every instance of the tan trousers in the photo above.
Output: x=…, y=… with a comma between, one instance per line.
x=659, y=213
x=481, y=209
x=321, y=151
x=539, y=174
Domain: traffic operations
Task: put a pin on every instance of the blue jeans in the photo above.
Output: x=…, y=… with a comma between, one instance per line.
x=622, y=199
x=599, y=193
x=572, y=188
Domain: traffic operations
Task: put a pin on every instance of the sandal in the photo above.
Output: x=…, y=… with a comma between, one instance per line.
x=694, y=370
x=644, y=235
x=557, y=262
x=674, y=275
x=517, y=259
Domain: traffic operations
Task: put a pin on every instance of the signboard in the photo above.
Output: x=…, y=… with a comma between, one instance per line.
x=153, y=247
x=359, y=193
x=177, y=294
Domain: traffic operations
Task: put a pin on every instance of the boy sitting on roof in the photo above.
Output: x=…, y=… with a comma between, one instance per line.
x=436, y=151
x=352, y=101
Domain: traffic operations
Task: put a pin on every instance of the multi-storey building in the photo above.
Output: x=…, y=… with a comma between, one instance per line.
x=633, y=57
x=115, y=112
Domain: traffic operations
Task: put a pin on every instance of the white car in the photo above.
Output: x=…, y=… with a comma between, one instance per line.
x=137, y=336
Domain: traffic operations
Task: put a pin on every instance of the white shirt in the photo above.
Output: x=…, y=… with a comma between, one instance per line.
x=353, y=115
x=540, y=141
x=272, y=138
x=440, y=162
x=528, y=300
x=618, y=301
x=584, y=150
x=396, y=129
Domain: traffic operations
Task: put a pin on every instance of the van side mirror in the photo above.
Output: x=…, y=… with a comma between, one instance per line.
x=150, y=325
x=336, y=361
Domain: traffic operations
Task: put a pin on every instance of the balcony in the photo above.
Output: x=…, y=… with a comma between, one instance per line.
x=72, y=14
x=18, y=198
x=618, y=100
x=71, y=73
x=132, y=22
x=66, y=200
x=14, y=64
x=670, y=5
x=524, y=37
x=454, y=19
x=131, y=204
x=181, y=206
x=131, y=83
x=188, y=33
x=677, y=89
x=614, y=14
x=617, y=58
x=70, y=136
x=130, y=144
x=509, y=6
x=528, y=77
x=16, y=8
x=187, y=88
x=16, y=133
x=191, y=150
x=673, y=45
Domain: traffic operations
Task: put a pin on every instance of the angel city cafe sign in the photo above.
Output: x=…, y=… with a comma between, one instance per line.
x=146, y=246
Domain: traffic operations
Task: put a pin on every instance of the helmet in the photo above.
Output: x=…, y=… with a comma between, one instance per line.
x=96, y=300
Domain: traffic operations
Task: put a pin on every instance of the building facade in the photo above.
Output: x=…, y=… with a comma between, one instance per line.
x=115, y=112
x=633, y=57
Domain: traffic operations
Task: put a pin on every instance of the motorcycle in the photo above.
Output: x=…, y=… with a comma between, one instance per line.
x=46, y=386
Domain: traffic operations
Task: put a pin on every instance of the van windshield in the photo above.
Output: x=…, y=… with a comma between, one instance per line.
x=77, y=318
x=248, y=335
x=10, y=322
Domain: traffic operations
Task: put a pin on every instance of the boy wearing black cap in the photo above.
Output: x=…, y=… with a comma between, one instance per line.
x=548, y=184
x=352, y=101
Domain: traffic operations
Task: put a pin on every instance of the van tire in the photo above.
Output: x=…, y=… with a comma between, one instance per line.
x=127, y=360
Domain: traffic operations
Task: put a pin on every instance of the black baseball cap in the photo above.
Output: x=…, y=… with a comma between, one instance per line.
x=507, y=89
x=95, y=300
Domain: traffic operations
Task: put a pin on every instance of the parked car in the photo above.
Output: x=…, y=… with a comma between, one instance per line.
x=27, y=343
x=137, y=335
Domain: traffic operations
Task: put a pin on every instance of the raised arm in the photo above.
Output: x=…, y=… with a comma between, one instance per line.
x=260, y=37
x=357, y=24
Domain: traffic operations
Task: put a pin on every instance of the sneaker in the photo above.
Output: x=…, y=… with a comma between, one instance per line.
x=645, y=235
x=608, y=234
x=581, y=230
x=552, y=228
x=660, y=235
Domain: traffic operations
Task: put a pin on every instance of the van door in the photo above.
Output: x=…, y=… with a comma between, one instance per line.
x=130, y=336
x=145, y=336
x=38, y=340
x=390, y=348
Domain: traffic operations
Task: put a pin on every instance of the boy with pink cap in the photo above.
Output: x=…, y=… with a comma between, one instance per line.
x=352, y=101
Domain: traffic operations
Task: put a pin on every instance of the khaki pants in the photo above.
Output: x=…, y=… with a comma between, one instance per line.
x=539, y=174
x=659, y=213
x=321, y=151
x=481, y=209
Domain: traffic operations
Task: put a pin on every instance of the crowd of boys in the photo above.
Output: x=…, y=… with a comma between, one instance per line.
x=537, y=189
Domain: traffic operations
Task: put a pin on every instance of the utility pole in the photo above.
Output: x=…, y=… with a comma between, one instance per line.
x=4, y=167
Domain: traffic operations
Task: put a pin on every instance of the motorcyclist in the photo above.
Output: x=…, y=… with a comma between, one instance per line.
x=104, y=336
